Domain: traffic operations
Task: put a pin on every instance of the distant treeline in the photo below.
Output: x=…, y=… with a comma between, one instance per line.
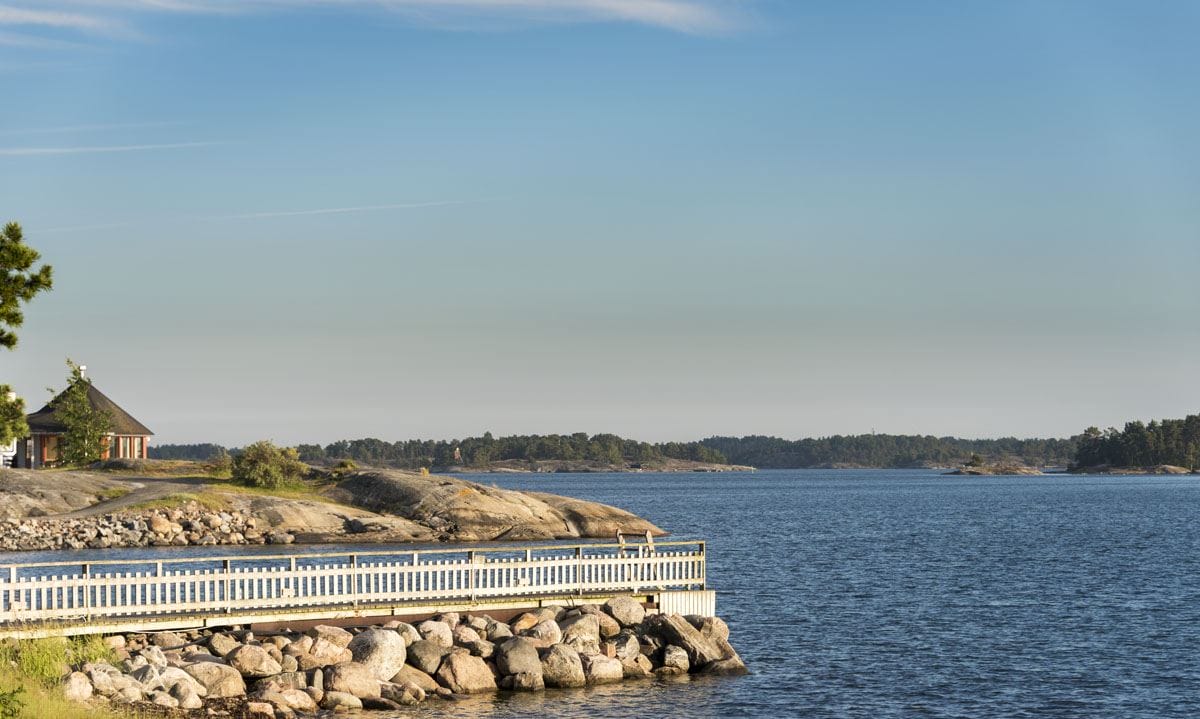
x=890, y=450
x=1170, y=441
x=476, y=451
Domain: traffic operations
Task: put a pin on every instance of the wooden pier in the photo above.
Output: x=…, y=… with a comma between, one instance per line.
x=61, y=598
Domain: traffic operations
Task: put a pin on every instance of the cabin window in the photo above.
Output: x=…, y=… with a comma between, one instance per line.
x=137, y=447
x=50, y=448
x=124, y=448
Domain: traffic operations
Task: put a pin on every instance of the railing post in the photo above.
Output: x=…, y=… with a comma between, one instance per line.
x=579, y=568
x=354, y=579
x=10, y=591
x=471, y=574
x=228, y=587
x=87, y=591
x=703, y=565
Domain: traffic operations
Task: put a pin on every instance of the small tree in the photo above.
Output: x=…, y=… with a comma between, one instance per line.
x=262, y=464
x=19, y=282
x=87, y=428
x=12, y=416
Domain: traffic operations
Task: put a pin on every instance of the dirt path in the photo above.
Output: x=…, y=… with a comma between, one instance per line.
x=142, y=489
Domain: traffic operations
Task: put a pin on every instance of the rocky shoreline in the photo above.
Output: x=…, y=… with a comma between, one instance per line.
x=235, y=673
x=376, y=506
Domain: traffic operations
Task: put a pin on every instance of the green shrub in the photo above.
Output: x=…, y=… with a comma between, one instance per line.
x=221, y=464
x=264, y=465
x=11, y=704
x=348, y=465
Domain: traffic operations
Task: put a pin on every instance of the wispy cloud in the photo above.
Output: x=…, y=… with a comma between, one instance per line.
x=25, y=151
x=53, y=18
x=693, y=16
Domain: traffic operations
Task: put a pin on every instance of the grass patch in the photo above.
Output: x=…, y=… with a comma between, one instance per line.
x=111, y=493
x=212, y=501
x=30, y=672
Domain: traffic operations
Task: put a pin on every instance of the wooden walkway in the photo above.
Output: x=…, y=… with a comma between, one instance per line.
x=69, y=598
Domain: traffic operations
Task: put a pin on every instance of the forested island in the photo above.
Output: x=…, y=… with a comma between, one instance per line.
x=1161, y=444
x=1138, y=447
x=891, y=451
x=551, y=452
x=582, y=451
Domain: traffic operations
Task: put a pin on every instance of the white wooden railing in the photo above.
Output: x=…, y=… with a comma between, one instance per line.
x=61, y=591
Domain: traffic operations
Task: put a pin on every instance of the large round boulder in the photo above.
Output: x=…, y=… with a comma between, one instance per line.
x=518, y=656
x=352, y=678
x=380, y=650
x=582, y=633
x=466, y=674
x=219, y=680
x=436, y=632
x=601, y=670
x=252, y=660
x=426, y=655
x=626, y=610
x=561, y=667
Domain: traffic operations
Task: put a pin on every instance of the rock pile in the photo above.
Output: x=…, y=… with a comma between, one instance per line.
x=397, y=664
x=189, y=525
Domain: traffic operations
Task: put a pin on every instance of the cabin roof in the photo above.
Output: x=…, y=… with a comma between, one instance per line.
x=45, y=420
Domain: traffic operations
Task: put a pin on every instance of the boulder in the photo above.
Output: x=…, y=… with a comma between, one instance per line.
x=174, y=676
x=252, y=660
x=524, y=682
x=714, y=628
x=518, y=656
x=323, y=652
x=676, y=657
x=674, y=629
x=466, y=674
x=258, y=710
x=340, y=701
x=352, y=678
x=637, y=668
x=331, y=634
x=186, y=695
x=582, y=633
x=407, y=632
x=77, y=687
x=166, y=640
x=464, y=635
x=426, y=655
x=525, y=622
x=302, y=645
x=628, y=611
x=545, y=633
x=297, y=700
x=627, y=646
x=404, y=693
x=412, y=675
x=498, y=631
x=218, y=680
x=609, y=627
x=162, y=699
x=561, y=667
x=379, y=650
x=436, y=632
x=600, y=669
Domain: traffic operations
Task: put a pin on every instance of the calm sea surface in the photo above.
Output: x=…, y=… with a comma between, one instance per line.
x=909, y=594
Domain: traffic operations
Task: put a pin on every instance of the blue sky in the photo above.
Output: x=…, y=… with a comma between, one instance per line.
x=316, y=219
